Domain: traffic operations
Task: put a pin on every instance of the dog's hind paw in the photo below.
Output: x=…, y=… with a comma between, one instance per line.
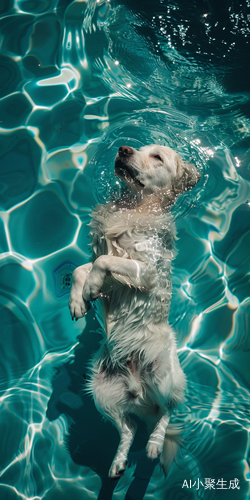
x=154, y=449
x=117, y=470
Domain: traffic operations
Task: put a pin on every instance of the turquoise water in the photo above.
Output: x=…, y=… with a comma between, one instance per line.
x=78, y=79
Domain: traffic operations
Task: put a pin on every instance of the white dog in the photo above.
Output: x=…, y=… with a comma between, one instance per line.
x=136, y=369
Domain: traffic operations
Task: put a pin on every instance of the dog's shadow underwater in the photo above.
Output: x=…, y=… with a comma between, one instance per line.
x=91, y=440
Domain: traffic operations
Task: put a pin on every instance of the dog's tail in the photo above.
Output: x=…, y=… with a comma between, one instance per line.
x=172, y=442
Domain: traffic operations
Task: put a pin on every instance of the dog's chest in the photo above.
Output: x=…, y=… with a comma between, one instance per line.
x=128, y=235
x=131, y=235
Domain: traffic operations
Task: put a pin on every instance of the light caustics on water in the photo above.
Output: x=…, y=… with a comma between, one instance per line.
x=78, y=80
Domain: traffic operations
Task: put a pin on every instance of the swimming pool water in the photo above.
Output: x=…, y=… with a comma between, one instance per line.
x=78, y=79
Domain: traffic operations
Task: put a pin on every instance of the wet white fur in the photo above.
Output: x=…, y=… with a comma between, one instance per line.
x=136, y=369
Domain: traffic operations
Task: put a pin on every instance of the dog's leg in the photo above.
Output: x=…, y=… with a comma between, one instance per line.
x=169, y=392
x=156, y=440
x=127, y=428
x=77, y=304
x=127, y=271
x=111, y=395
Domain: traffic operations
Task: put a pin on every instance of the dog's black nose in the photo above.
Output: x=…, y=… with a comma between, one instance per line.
x=125, y=151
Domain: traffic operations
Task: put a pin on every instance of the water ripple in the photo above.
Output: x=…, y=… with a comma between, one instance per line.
x=79, y=79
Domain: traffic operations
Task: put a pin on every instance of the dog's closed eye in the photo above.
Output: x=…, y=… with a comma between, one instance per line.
x=157, y=157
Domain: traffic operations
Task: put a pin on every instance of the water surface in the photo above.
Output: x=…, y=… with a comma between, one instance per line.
x=78, y=79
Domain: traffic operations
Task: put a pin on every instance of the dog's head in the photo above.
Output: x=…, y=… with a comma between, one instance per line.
x=155, y=170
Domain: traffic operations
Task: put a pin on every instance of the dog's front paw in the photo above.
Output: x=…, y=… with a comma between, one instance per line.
x=93, y=284
x=77, y=305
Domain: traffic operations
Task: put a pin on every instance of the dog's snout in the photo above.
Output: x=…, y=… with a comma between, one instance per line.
x=125, y=151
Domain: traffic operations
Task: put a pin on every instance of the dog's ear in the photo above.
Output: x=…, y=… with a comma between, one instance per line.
x=187, y=176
